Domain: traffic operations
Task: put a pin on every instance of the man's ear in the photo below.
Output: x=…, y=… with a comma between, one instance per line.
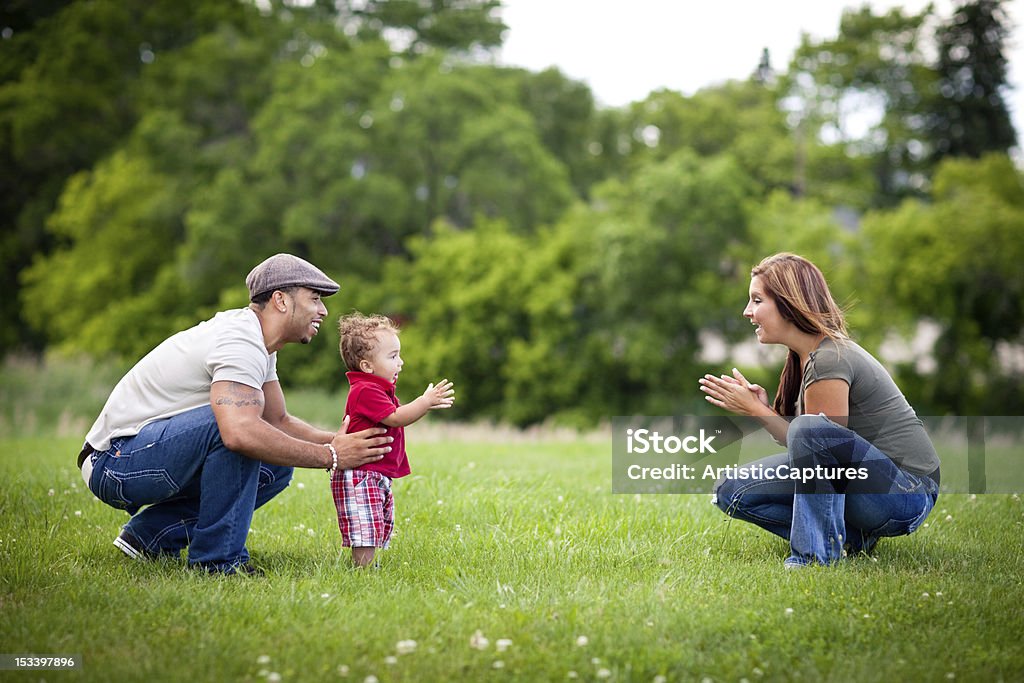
x=280, y=301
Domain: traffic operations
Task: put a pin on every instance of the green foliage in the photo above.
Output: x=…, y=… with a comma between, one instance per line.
x=957, y=262
x=592, y=317
x=969, y=116
x=557, y=260
x=120, y=217
x=69, y=94
x=877, y=59
x=564, y=114
x=445, y=24
x=462, y=295
x=741, y=119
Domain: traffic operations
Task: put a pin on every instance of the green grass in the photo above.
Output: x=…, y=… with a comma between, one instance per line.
x=518, y=538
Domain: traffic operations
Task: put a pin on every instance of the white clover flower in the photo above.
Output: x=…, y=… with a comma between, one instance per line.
x=603, y=673
x=502, y=644
x=370, y=679
x=300, y=485
x=478, y=641
x=273, y=677
x=789, y=611
x=51, y=492
x=343, y=670
x=582, y=641
x=404, y=647
x=78, y=513
x=925, y=595
x=572, y=674
x=660, y=679
x=263, y=659
x=391, y=659
x=310, y=532
x=498, y=664
x=949, y=518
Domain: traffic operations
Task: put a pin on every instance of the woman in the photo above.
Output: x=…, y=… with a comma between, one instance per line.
x=836, y=407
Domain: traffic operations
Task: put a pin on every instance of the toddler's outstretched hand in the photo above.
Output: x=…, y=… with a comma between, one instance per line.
x=440, y=395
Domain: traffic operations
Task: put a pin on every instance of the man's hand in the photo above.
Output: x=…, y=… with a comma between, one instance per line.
x=360, y=448
x=441, y=395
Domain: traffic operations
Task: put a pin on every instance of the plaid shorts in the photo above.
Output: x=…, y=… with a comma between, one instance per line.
x=366, y=510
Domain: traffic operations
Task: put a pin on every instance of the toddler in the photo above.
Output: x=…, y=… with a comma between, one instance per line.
x=372, y=352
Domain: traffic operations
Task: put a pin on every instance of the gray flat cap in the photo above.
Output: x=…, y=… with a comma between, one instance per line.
x=284, y=270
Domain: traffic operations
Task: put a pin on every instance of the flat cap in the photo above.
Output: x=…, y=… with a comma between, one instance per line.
x=284, y=270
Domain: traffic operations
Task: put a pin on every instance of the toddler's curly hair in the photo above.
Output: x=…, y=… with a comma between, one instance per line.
x=359, y=336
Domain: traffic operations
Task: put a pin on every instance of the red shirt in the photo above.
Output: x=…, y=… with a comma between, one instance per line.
x=370, y=400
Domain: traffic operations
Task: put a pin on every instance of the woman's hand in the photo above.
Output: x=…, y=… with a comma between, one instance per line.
x=735, y=393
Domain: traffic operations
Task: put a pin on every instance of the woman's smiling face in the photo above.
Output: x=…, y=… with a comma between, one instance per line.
x=764, y=314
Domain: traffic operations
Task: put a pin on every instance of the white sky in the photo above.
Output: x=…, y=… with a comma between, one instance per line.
x=624, y=49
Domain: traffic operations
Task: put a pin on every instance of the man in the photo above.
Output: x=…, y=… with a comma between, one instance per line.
x=198, y=431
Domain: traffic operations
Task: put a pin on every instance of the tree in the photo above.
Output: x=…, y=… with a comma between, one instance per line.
x=621, y=290
x=956, y=262
x=123, y=229
x=565, y=117
x=877, y=62
x=969, y=116
x=68, y=96
x=415, y=26
x=741, y=119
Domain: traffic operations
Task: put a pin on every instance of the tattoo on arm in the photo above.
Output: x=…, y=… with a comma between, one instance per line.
x=239, y=395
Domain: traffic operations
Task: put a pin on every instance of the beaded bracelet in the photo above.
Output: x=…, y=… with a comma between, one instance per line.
x=334, y=457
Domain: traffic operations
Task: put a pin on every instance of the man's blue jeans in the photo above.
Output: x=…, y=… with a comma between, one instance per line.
x=818, y=524
x=197, y=493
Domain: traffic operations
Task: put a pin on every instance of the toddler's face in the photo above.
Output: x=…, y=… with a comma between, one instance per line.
x=385, y=361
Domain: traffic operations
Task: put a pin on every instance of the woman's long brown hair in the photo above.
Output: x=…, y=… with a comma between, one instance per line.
x=802, y=297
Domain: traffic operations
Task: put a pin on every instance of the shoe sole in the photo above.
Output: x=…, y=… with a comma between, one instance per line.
x=126, y=548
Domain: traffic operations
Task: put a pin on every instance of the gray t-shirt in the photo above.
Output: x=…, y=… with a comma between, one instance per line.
x=176, y=376
x=878, y=410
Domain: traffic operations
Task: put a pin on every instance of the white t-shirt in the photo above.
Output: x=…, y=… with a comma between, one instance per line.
x=176, y=376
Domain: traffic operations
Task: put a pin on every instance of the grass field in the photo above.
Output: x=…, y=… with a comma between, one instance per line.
x=504, y=537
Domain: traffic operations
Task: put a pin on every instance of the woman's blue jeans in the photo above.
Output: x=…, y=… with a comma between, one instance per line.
x=817, y=525
x=197, y=493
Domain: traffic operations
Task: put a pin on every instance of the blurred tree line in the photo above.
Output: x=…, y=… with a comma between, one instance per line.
x=555, y=259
